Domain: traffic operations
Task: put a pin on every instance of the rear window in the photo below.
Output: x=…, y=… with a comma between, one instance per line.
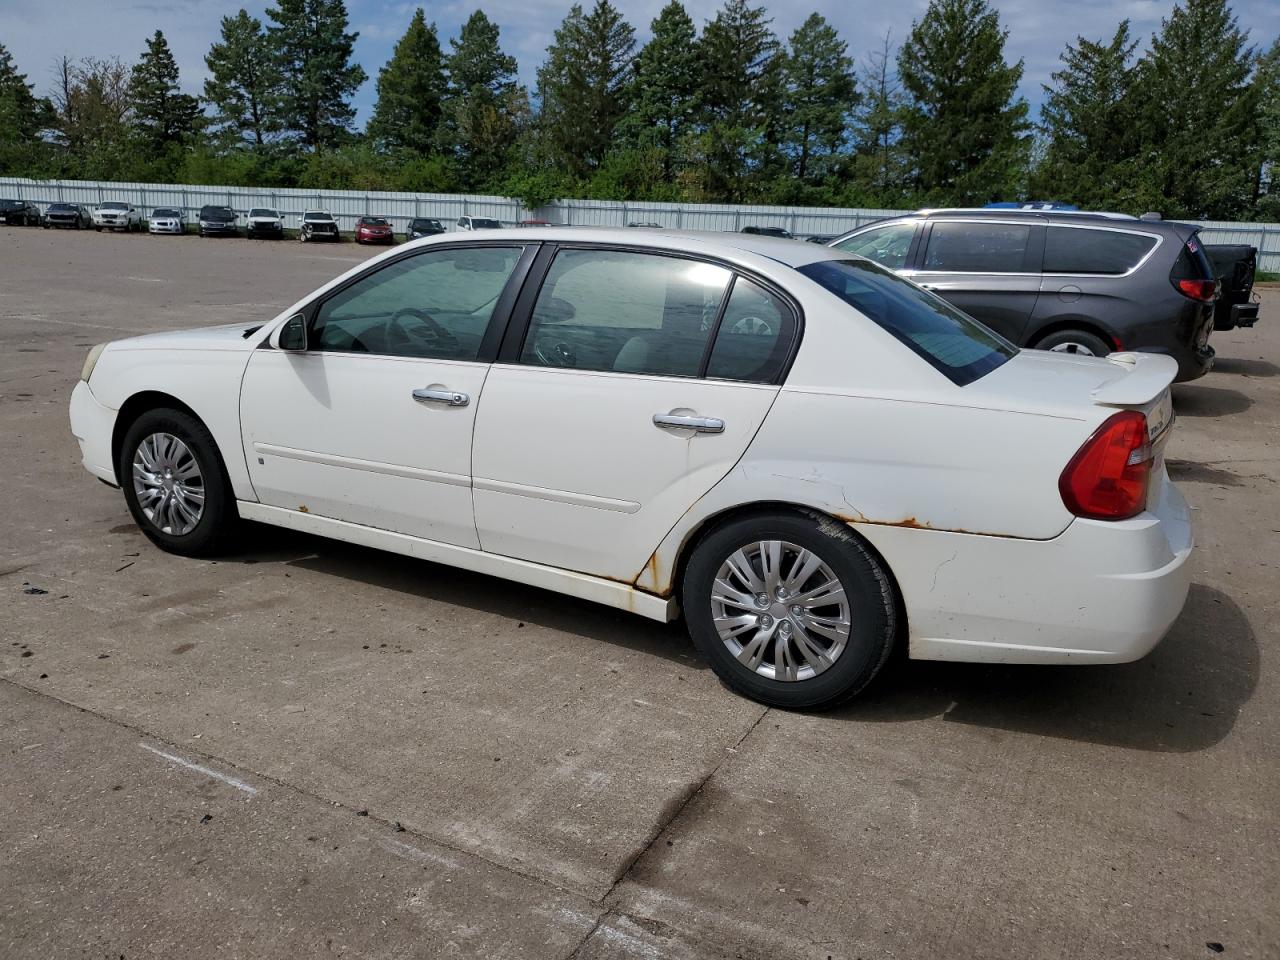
x=962, y=247
x=1192, y=263
x=1079, y=250
x=952, y=342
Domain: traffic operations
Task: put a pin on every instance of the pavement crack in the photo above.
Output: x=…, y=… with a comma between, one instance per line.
x=310, y=795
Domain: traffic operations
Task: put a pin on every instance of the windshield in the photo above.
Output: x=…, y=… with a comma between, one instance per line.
x=262, y=212
x=164, y=212
x=426, y=224
x=952, y=342
x=10, y=204
x=481, y=223
x=374, y=221
x=113, y=205
x=61, y=207
x=216, y=213
x=316, y=215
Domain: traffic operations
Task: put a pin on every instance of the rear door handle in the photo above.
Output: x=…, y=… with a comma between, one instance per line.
x=450, y=397
x=668, y=421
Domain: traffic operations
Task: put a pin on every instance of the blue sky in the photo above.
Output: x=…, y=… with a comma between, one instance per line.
x=37, y=32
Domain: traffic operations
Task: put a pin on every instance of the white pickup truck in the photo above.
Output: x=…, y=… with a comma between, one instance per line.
x=117, y=215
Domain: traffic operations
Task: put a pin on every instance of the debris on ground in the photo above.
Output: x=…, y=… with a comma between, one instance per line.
x=33, y=591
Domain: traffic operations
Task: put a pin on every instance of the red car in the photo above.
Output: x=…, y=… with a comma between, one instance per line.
x=374, y=230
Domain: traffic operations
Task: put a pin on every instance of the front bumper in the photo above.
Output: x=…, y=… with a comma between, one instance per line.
x=224, y=229
x=92, y=424
x=1099, y=592
x=164, y=228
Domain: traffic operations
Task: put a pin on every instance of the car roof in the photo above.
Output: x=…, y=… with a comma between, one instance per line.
x=1082, y=217
x=792, y=253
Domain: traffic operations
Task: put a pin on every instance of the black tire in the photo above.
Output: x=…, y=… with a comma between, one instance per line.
x=872, y=605
x=218, y=523
x=1075, y=341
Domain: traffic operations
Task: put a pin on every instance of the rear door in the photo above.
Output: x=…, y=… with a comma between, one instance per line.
x=635, y=385
x=990, y=269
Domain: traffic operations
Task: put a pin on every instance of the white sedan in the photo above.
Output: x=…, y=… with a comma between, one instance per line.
x=166, y=220
x=810, y=457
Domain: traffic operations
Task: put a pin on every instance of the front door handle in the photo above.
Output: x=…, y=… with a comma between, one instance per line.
x=669, y=421
x=450, y=397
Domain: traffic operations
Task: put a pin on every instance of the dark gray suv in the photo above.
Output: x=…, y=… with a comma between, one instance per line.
x=1070, y=282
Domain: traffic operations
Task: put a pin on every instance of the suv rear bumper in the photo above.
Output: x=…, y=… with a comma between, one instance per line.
x=1099, y=592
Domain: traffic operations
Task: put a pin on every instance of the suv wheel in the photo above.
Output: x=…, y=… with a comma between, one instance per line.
x=791, y=610
x=1075, y=341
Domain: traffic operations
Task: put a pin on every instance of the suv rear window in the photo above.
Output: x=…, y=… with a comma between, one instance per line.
x=965, y=247
x=1080, y=250
x=952, y=342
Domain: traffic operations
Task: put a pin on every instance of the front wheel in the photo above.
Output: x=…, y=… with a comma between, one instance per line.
x=175, y=483
x=791, y=610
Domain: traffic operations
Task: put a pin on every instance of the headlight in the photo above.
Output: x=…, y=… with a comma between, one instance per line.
x=91, y=361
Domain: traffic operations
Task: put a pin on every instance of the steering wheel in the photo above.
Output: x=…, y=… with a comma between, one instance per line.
x=399, y=335
x=557, y=355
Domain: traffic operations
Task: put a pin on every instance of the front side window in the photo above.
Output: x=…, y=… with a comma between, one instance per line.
x=625, y=312
x=958, y=247
x=887, y=245
x=435, y=305
x=952, y=342
x=1080, y=250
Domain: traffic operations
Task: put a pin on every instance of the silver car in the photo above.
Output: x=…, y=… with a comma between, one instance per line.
x=166, y=220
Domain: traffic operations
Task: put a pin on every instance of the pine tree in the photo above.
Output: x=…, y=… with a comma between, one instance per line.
x=23, y=117
x=484, y=108
x=162, y=113
x=584, y=88
x=739, y=100
x=821, y=92
x=1088, y=120
x=1266, y=82
x=244, y=83
x=1199, y=122
x=880, y=164
x=666, y=78
x=965, y=126
x=314, y=55
x=411, y=89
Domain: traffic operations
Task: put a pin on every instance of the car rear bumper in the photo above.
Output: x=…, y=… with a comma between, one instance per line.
x=1100, y=592
x=92, y=424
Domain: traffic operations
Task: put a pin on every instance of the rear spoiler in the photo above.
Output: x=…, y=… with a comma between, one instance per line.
x=1146, y=376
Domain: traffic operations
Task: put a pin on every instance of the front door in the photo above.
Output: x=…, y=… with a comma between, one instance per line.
x=639, y=383
x=990, y=270
x=372, y=424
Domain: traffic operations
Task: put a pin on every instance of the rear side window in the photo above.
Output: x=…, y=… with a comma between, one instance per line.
x=754, y=336
x=952, y=342
x=1192, y=263
x=961, y=247
x=1078, y=250
x=887, y=245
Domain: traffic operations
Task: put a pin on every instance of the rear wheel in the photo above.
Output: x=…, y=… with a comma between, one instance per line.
x=1074, y=341
x=791, y=610
x=175, y=483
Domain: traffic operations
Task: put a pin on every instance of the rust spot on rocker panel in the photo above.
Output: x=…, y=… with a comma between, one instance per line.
x=303, y=509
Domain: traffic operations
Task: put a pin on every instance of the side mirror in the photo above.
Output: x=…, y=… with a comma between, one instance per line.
x=292, y=335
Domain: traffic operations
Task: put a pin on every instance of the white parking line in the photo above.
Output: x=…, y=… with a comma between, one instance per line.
x=230, y=781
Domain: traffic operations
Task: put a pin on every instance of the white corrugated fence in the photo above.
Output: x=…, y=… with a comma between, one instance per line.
x=347, y=205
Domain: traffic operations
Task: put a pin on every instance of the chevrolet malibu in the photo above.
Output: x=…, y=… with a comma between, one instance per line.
x=809, y=458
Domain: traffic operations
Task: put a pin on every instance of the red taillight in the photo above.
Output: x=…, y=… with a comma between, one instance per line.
x=1107, y=478
x=1203, y=290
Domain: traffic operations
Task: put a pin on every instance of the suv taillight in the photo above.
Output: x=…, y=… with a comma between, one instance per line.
x=1203, y=290
x=1107, y=478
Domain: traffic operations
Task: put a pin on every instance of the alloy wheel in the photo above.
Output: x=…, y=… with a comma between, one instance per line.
x=1077, y=348
x=168, y=484
x=780, y=610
